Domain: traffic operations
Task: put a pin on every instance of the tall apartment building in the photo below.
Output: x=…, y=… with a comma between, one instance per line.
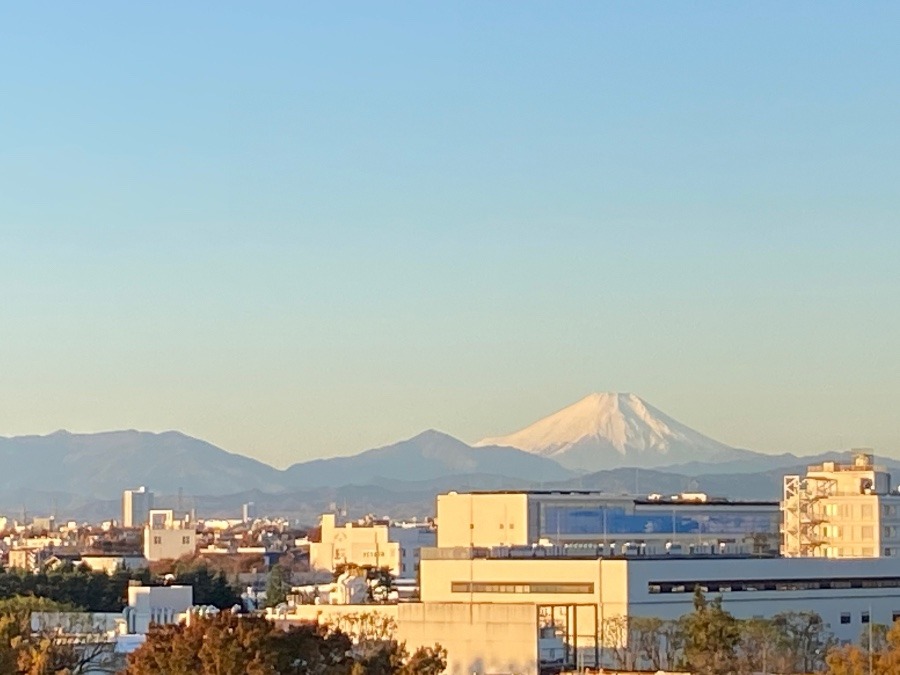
x=841, y=511
x=136, y=506
x=167, y=538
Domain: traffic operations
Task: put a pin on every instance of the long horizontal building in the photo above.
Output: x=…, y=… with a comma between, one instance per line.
x=580, y=598
x=488, y=519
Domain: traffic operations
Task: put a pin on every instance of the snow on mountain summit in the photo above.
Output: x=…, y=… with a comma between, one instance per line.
x=607, y=430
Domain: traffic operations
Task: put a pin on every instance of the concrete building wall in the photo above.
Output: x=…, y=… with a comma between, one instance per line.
x=841, y=591
x=480, y=638
x=410, y=542
x=110, y=564
x=484, y=519
x=166, y=538
x=375, y=544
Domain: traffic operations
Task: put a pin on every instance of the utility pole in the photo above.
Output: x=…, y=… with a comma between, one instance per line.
x=871, y=646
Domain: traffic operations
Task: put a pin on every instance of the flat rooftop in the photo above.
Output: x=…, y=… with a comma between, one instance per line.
x=686, y=500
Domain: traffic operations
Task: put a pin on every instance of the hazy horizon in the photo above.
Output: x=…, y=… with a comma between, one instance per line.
x=300, y=231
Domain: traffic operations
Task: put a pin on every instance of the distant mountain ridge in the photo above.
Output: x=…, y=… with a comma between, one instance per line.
x=102, y=465
x=611, y=442
x=609, y=430
x=427, y=456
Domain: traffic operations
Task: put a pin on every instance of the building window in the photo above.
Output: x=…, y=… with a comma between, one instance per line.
x=845, y=617
x=865, y=617
x=186, y=540
x=887, y=553
x=722, y=586
x=512, y=526
x=867, y=532
x=157, y=540
x=522, y=587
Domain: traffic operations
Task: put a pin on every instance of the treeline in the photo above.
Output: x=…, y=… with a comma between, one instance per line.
x=96, y=591
x=227, y=644
x=710, y=641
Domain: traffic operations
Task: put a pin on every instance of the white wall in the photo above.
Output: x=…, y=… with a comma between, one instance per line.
x=480, y=639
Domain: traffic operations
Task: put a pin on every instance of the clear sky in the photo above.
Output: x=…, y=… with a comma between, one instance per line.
x=298, y=229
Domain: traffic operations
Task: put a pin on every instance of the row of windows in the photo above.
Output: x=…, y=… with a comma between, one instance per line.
x=184, y=540
x=846, y=617
x=773, y=585
x=537, y=587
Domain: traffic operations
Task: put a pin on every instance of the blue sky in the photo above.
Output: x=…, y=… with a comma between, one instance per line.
x=298, y=230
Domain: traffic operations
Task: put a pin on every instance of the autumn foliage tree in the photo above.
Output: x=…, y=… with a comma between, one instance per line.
x=228, y=644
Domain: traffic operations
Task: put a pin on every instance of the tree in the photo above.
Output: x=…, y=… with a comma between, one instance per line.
x=883, y=654
x=649, y=641
x=28, y=651
x=427, y=661
x=802, y=641
x=229, y=644
x=711, y=637
x=758, y=646
x=278, y=585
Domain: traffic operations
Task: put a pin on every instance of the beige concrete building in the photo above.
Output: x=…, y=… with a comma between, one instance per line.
x=841, y=511
x=371, y=542
x=167, y=538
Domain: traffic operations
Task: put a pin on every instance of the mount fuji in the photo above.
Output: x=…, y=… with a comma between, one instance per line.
x=610, y=430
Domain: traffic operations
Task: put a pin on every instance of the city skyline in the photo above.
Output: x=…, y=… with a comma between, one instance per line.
x=307, y=232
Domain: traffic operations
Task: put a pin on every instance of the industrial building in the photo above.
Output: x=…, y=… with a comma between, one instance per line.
x=525, y=582
x=690, y=520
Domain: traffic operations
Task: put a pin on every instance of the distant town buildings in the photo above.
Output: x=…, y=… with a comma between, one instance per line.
x=248, y=512
x=841, y=511
x=136, y=507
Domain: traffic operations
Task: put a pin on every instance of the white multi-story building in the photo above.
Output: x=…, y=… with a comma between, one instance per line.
x=371, y=542
x=167, y=538
x=841, y=511
x=136, y=507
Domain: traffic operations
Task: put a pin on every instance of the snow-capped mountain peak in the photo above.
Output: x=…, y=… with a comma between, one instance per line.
x=610, y=429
